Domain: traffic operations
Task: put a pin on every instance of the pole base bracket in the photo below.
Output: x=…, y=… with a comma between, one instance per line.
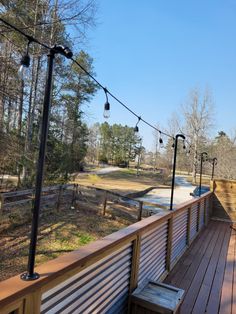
x=28, y=277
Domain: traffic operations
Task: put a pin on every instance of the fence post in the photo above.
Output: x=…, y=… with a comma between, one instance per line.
x=140, y=210
x=1, y=202
x=59, y=197
x=169, y=244
x=33, y=303
x=188, y=240
x=75, y=191
x=134, y=267
x=104, y=204
x=205, y=213
x=211, y=202
x=198, y=215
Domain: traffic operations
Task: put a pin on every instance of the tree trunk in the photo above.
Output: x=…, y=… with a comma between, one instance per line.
x=194, y=175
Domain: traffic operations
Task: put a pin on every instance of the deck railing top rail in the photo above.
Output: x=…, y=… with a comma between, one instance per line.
x=60, y=269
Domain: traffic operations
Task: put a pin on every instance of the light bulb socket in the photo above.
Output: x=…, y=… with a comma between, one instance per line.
x=136, y=129
x=107, y=106
x=65, y=51
x=106, y=113
x=160, y=140
x=25, y=61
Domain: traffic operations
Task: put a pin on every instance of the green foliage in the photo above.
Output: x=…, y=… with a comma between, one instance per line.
x=93, y=178
x=118, y=144
x=21, y=107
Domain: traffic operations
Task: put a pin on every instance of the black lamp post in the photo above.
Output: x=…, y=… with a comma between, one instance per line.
x=139, y=158
x=203, y=158
x=30, y=274
x=174, y=166
x=214, y=163
x=25, y=62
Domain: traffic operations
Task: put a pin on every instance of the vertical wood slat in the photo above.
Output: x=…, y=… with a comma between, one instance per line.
x=169, y=244
x=140, y=210
x=188, y=240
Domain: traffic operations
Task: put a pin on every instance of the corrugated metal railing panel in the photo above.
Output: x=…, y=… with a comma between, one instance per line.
x=100, y=288
x=194, y=214
x=179, y=241
x=202, y=214
x=153, y=253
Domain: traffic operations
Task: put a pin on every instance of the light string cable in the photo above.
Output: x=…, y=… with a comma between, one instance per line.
x=119, y=101
x=32, y=39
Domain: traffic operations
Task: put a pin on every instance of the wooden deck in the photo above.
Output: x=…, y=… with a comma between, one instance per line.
x=207, y=272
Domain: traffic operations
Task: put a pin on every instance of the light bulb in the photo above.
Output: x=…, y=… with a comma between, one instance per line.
x=24, y=70
x=161, y=142
x=106, y=113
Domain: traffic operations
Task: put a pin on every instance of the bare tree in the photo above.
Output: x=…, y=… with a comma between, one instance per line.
x=224, y=149
x=199, y=117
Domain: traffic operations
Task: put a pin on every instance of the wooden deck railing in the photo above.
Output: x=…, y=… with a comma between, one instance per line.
x=99, y=277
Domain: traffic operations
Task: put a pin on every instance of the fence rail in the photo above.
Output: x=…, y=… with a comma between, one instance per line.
x=99, y=277
x=54, y=195
x=15, y=198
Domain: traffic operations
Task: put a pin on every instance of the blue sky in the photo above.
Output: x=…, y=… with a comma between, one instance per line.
x=150, y=54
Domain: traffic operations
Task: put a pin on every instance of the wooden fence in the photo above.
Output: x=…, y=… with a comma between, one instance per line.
x=54, y=196
x=99, y=277
x=224, y=199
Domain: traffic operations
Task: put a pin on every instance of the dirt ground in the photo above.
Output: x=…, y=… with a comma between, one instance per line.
x=123, y=181
x=67, y=230
x=59, y=233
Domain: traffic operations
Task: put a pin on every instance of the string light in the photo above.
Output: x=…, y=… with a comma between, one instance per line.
x=173, y=144
x=107, y=105
x=161, y=140
x=119, y=101
x=25, y=62
x=188, y=152
x=136, y=129
x=23, y=71
x=106, y=113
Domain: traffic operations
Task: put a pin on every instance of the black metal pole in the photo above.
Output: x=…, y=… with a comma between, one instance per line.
x=200, y=183
x=214, y=162
x=139, y=159
x=174, y=167
x=31, y=275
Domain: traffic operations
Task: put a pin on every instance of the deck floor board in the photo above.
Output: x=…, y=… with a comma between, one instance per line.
x=207, y=272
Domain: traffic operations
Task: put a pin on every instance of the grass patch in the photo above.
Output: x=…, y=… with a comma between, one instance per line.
x=59, y=233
